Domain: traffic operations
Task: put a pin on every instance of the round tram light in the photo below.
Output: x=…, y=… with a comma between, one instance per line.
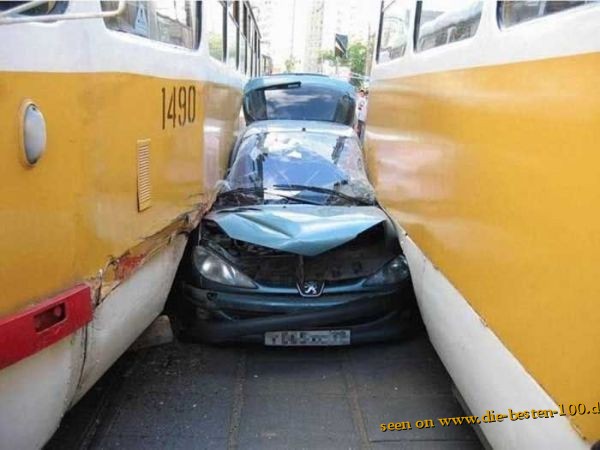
x=33, y=133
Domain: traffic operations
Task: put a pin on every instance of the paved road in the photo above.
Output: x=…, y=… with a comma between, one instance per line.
x=185, y=396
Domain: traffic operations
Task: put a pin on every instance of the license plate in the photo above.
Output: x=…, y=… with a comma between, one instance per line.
x=307, y=338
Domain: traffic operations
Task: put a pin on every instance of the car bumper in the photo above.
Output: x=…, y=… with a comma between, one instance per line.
x=370, y=316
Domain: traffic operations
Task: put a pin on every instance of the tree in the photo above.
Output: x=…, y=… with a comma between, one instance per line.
x=327, y=55
x=290, y=64
x=357, y=60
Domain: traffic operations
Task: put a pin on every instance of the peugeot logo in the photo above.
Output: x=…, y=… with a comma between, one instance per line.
x=311, y=288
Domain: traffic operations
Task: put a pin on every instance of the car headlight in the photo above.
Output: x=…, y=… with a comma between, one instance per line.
x=393, y=272
x=215, y=269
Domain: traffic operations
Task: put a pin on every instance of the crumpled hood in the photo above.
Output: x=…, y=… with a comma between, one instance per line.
x=303, y=229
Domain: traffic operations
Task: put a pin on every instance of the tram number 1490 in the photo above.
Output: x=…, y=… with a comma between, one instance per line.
x=178, y=106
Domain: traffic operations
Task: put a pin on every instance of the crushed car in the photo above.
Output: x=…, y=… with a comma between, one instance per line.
x=296, y=250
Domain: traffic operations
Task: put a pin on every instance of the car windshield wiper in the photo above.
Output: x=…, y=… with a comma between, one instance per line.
x=295, y=199
x=322, y=190
x=241, y=191
x=259, y=192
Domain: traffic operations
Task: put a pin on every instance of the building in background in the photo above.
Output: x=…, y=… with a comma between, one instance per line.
x=314, y=36
x=296, y=33
x=263, y=11
x=356, y=19
x=283, y=26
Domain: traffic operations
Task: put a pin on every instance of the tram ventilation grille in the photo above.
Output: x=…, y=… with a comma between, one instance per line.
x=144, y=186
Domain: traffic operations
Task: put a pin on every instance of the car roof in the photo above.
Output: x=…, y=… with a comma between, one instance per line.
x=304, y=78
x=316, y=126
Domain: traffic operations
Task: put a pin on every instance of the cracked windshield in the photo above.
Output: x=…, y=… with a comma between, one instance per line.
x=303, y=167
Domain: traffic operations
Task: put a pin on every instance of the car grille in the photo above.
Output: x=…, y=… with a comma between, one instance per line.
x=357, y=259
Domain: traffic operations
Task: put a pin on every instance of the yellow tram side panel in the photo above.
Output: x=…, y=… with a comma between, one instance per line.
x=494, y=173
x=63, y=219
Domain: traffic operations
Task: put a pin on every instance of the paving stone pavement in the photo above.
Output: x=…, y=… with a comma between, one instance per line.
x=189, y=396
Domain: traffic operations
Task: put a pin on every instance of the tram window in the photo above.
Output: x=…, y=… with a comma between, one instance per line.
x=250, y=70
x=242, y=54
x=440, y=22
x=42, y=9
x=250, y=66
x=173, y=22
x=243, y=50
x=245, y=18
x=257, y=54
x=215, y=21
x=394, y=31
x=232, y=41
x=234, y=10
x=514, y=12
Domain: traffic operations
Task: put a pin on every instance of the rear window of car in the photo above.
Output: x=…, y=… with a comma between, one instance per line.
x=300, y=102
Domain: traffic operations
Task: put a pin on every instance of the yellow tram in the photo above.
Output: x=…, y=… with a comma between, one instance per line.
x=483, y=132
x=117, y=119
